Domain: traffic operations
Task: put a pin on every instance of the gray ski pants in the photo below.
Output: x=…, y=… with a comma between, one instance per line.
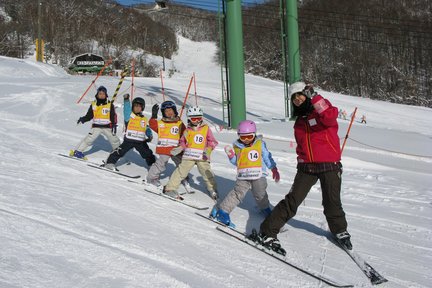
x=160, y=165
x=94, y=133
x=235, y=196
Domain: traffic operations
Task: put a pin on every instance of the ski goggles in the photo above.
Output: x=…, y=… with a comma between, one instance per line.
x=246, y=137
x=195, y=119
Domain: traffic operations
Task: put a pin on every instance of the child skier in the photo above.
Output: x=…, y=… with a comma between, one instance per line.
x=127, y=111
x=169, y=130
x=135, y=137
x=196, y=143
x=251, y=157
x=104, y=122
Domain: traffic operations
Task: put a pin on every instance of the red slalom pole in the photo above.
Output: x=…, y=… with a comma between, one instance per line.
x=349, y=128
x=186, y=97
x=163, y=89
x=92, y=83
x=196, y=98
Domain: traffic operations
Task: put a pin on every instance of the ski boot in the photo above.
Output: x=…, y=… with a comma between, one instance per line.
x=343, y=239
x=154, y=182
x=213, y=194
x=172, y=194
x=77, y=154
x=109, y=166
x=221, y=216
x=187, y=186
x=213, y=212
x=267, y=242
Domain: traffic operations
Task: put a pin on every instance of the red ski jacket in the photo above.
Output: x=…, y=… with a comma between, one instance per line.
x=317, y=135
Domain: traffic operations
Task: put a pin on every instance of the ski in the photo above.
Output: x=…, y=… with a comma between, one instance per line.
x=181, y=200
x=232, y=226
x=374, y=277
x=113, y=171
x=187, y=188
x=158, y=191
x=75, y=158
x=242, y=237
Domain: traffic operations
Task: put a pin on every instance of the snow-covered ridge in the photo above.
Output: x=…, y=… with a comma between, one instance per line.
x=27, y=68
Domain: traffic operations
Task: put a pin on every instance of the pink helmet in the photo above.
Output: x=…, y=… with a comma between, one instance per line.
x=246, y=127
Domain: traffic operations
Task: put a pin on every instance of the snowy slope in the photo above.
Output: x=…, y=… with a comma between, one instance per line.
x=63, y=224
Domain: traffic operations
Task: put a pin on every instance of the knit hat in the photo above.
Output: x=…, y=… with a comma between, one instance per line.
x=296, y=87
x=103, y=89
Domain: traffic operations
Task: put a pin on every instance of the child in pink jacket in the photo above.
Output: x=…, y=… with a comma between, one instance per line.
x=196, y=143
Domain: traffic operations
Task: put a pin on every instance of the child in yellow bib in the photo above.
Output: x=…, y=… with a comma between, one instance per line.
x=196, y=143
x=135, y=137
x=102, y=112
x=252, y=159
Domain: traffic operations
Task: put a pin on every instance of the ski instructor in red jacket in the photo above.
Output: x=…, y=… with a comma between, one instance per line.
x=318, y=157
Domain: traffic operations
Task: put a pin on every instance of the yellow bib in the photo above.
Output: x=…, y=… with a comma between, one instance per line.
x=101, y=114
x=249, y=161
x=136, y=128
x=168, y=133
x=196, y=143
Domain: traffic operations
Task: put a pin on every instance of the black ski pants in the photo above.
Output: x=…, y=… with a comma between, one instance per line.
x=142, y=148
x=286, y=209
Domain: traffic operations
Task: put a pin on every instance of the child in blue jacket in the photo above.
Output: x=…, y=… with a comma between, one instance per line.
x=252, y=159
x=127, y=110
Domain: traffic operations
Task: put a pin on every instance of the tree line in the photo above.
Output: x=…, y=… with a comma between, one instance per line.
x=73, y=27
x=375, y=49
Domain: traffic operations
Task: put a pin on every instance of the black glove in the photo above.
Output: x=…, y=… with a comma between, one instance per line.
x=114, y=129
x=80, y=120
x=148, y=140
x=155, y=110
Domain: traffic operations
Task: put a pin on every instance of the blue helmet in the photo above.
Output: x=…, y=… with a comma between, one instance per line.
x=166, y=105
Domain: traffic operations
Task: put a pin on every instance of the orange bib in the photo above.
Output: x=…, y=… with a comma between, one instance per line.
x=168, y=133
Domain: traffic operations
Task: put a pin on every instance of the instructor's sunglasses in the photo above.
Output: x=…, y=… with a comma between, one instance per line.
x=247, y=137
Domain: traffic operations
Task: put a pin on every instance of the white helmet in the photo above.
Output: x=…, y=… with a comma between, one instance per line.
x=296, y=87
x=194, y=111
